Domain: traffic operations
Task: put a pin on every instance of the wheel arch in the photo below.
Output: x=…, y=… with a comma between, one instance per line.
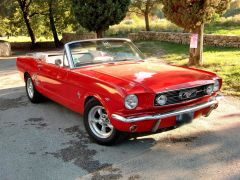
x=87, y=99
x=26, y=74
x=97, y=97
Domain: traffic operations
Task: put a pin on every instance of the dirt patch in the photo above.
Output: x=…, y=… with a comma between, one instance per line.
x=37, y=122
x=107, y=173
x=134, y=177
x=180, y=139
x=34, y=120
x=32, y=153
x=78, y=152
x=6, y=104
x=97, y=176
x=9, y=124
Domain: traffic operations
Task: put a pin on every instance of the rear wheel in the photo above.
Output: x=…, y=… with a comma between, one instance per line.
x=98, y=126
x=33, y=95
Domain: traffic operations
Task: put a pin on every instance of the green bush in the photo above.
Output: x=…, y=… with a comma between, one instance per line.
x=138, y=24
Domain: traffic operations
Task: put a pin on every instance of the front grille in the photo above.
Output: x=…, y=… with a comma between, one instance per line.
x=183, y=95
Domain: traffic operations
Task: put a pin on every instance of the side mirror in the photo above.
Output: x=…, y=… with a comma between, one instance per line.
x=58, y=62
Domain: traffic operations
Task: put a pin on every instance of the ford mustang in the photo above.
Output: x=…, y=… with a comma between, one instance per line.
x=117, y=90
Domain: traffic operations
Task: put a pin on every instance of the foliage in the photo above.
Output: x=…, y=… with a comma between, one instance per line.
x=138, y=24
x=63, y=17
x=232, y=12
x=223, y=61
x=144, y=7
x=235, y=4
x=225, y=26
x=97, y=15
x=192, y=15
x=222, y=26
x=7, y=22
x=39, y=19
x=196, y=12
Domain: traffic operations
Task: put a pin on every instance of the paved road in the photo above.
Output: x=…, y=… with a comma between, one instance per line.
x=47, y=141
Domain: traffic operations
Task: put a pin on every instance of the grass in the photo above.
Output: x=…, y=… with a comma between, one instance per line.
x=223, y=61
x=224, y=26
x=24, y=39
x=138, y=24
x=218, y=29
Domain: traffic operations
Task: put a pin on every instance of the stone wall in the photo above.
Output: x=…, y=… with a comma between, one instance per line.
x=67, y=37
x=183, y=38
x=27, y=45
x=5, y=49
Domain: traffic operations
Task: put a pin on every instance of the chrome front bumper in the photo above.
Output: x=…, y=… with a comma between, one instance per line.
x=212, y=104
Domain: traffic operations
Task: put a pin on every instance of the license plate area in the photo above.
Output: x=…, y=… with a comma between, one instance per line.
x=184, y=118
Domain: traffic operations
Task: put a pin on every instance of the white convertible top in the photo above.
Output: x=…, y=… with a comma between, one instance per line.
x=48, y=56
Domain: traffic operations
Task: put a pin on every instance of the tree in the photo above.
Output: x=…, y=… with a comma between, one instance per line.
x=235, y=4
x=5, y=17
x=46, y=18
x=144, y=7
x=52, y=23
x=192, y=15
x=97, y=16
x=56, y=17
x=25, y=8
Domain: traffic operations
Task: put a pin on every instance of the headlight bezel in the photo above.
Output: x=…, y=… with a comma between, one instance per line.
x=207, y=88
x=163, y=98
x=131, y=102
x=216, y=86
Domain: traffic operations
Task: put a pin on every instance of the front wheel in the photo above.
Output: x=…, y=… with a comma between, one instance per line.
x=33, y=95
x=98, y=125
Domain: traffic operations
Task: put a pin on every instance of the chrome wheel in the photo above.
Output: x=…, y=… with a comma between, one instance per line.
x=30, y=88
x=99, y=122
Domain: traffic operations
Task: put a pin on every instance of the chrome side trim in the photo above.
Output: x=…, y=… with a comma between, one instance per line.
x=212, y=103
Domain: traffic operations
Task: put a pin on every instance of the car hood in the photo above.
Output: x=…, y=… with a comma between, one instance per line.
x=156, y=77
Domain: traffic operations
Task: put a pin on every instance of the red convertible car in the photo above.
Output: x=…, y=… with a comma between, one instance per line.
x=117, y=90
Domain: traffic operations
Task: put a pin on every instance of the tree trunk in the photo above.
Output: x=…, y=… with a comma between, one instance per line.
x=27, y=22
x=147, y=21
x=52, y=25
x=30, y=30
x=146, y=16
x=196, y=54
x=99, y=33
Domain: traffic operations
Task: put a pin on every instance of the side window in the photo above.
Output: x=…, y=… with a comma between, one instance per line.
x=80, y=59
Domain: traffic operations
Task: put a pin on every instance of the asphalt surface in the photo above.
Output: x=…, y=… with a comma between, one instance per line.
x=48, y=141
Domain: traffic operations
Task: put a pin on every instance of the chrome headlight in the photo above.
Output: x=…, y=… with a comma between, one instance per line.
x=209, y=89
x=216, y=86
x=131, y=101
x=161, y=100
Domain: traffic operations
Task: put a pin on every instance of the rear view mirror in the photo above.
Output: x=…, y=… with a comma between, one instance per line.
x=58, y=62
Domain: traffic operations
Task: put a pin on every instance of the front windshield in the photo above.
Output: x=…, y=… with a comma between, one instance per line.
x=103, y=51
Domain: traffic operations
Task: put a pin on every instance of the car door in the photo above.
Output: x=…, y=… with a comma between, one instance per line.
x=50, y=76
x=56, y=83
x=70, y=89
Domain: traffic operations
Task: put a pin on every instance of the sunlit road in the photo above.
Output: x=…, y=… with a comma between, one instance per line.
x=48, y=141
